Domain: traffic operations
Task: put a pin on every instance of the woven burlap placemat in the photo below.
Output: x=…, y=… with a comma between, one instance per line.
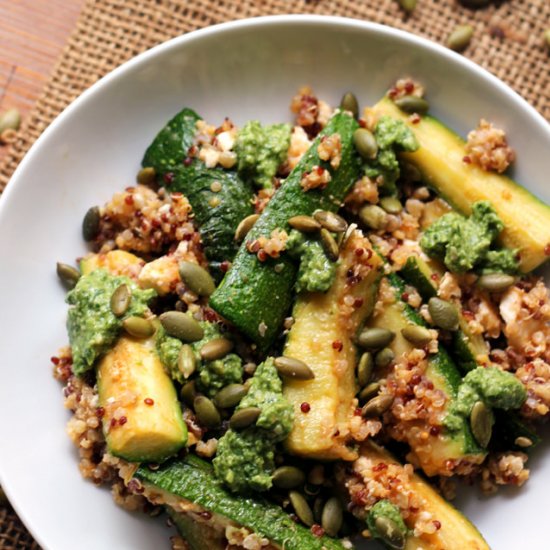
x=508, y=41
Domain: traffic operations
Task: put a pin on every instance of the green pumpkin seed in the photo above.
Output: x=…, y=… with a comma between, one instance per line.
x=187, y=361
x=407, y=5
x=349, y=103
x=369, y=391
x=496, y=282
x=373, y=217
x=244, y=417
x=10, y=120
x=413, y=104
x=460, y=37
x=383, y=358
x=305, y=224
x=196, y=278
x=390, y=532
x=68, y=274
x=391, y=205
x=216, y=348
x=293, y=368
x=288, y=477
x=181, y=326
x=146, y=176
x=301, y=508
x=245, y=226
x=332, y=516
x=120, y=300
x=523, y=442
x=331, y=221
x=377, y=405
x=188, y=393
x=138, y=327
x=330, y=246
x=365, y=143
x=364, y=369
x=206, y=412
x=375, y=338
x=90, y=223
x=417, y=335
x=316, y=475
x=444, y=314
x=481, y=422
x=318, y=505
x=230, y=396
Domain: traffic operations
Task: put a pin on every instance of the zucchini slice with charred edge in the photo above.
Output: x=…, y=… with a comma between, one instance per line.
x=440, y=160
x=191, y=479
x=322, y=336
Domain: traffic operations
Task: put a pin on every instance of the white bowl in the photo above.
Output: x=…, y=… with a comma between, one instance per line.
x=246, y=69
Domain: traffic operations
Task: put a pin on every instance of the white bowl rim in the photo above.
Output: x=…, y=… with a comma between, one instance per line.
x=268, y=20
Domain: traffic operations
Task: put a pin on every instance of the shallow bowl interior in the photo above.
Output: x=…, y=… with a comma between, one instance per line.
x=248, y=69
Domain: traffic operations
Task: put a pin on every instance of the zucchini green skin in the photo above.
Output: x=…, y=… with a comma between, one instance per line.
x=508, y=427
x=192, y=479
x=254, y=294
x=198, y=536
x=417, y=273
x=217, y=214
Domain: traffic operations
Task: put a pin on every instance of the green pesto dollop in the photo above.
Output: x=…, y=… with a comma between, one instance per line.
x=384, y=508
x=464, y=243
x=496, y=388
x=245, y=459
x=212, y=375
x=261, y=150
x=316, y=272
x=392, y=136
x=92, y=326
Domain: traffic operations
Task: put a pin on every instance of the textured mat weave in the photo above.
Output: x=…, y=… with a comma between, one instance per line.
x=508, y=42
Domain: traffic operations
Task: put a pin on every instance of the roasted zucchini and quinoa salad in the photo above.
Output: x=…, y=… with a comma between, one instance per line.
x=298, y=336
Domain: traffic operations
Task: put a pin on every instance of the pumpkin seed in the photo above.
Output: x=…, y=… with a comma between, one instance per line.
x=481, y=422
x=10, y=120
x=522, y=441
x=90, y=223
x=316, y=475
x=187, y=361
x=460, y=37
x=216, y=349
x=245, y=226
x=391, y=205
x=444, y=314
x=146, y=176
x=188, y=393
x=305, y=224
x=373, y=217
x=383, y=358
x=365, y=143
x=332, y=516
x=301, y=508
x=417, y=335
x=230, y=396
x=138, y=327
x=407, y=5
x=288, y=477
x=375, y=338
x=120, y=300
x=206, y=412
x=244, y=417
x=377, y=405
x=331, y=221
x=181, y=326
x=318, y=505
x=349, y=103
x=364, y=369
x=330, y=246
x=196, y=278
x=68, y=274
x=293, y=368
x=390, y=532
x=412, y=104
x=369, y=391
x=496, y=282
